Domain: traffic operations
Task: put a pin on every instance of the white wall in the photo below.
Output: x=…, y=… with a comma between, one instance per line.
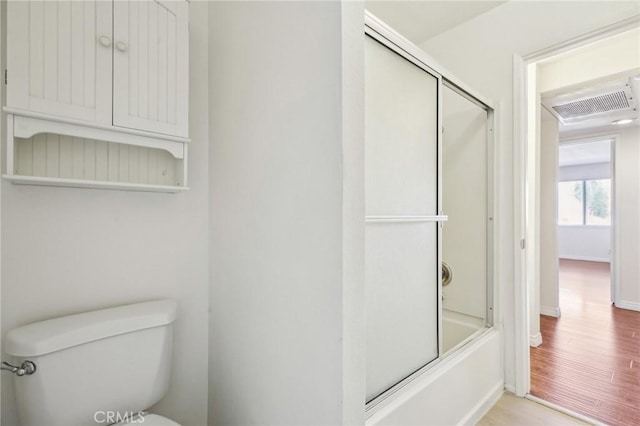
x=480, y=52
x=613, y=55
x=584, y=242
x=549, y=140
x=627, y=206
x=353, y=287
x=68, y=250
x=287, y=213
x=2, y=126
x=580, y=242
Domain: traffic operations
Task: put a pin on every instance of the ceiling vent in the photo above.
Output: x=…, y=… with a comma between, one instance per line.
x=593, y=105
x=609, y=100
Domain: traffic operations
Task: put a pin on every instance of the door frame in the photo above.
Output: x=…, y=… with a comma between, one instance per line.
x=522, y=383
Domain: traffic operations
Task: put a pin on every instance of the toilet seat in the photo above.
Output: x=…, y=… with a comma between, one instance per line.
x=150, y=420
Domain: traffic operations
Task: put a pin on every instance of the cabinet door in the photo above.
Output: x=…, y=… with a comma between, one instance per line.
x=59, y=58
x=150, y=65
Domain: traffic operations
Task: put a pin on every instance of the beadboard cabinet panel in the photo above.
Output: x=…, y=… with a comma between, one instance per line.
x=60, y=58
x=150, y=63
x=67, y=157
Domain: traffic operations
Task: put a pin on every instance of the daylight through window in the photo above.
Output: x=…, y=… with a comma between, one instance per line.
x=584, y=202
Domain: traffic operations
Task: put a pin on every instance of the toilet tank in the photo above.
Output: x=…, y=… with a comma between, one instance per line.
x=109, y=362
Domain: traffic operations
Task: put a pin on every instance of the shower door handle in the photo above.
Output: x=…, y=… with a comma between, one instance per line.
x=447, y=274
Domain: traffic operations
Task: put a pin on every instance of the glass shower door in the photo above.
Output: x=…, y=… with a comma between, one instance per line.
x=401, y=207
x=465, y=197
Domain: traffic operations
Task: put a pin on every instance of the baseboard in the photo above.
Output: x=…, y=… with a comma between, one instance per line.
x=586, y=258
x=550, y=311
x=535, y=340
x=483, y=407
x=632, y=306
x=510, y=388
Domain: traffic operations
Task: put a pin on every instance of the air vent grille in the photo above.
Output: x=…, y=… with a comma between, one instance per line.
x=603, y=103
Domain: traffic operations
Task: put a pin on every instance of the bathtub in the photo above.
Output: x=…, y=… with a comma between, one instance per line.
x=458, y=329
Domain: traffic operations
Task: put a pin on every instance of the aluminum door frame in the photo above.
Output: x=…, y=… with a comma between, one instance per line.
x=385, y=35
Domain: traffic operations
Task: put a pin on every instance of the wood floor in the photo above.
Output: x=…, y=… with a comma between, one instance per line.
x=589, y=361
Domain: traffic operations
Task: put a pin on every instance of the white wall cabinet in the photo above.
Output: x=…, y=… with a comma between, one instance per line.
x=150, y=66
x=59, y=58
x=100, y=70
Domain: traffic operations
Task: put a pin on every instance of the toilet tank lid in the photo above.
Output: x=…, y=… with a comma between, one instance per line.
x=60, y=333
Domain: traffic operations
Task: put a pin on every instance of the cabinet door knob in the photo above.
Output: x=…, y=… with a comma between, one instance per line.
x=121, y=46
x=104, y=41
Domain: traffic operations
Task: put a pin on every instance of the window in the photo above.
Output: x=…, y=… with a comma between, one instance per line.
x=584, y=202
x=570, y=203
x=598, y=202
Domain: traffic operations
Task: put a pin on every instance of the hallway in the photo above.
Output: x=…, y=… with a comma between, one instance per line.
x=589, y=361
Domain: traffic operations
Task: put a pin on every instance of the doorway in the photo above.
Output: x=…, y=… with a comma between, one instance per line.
x=585, y=212
x=603, y=348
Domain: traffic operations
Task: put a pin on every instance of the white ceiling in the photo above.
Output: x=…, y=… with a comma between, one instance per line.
x=584, y=153
x=420, y=20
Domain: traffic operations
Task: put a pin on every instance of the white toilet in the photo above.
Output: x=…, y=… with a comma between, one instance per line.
x=100, y=367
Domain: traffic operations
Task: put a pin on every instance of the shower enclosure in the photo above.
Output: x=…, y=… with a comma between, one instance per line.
x=416, y=178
